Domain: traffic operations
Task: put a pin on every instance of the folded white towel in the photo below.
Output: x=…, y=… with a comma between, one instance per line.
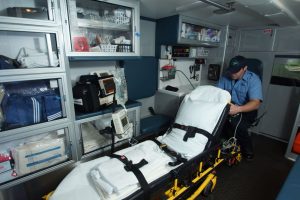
x=111, y=170
x=103, y=185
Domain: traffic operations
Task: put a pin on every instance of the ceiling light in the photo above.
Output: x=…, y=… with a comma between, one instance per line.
x=228, y=8
x=286, y=10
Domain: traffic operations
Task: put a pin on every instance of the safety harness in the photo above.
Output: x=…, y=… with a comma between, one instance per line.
x=191, y=131
x=178, y=158
x=130, y=167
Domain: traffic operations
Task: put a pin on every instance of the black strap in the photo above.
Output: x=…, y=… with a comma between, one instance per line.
x=171, y=153
x=135, y=169
x=191, y=131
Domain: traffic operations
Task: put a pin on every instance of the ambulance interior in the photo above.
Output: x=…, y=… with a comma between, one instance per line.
x=181, y=46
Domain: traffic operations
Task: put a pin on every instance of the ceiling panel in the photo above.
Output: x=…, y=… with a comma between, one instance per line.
x=248, y=13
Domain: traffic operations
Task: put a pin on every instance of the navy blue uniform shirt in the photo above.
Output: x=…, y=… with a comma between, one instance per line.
x=243, y=90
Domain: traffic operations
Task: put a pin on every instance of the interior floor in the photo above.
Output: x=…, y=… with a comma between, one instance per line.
x=261, y=178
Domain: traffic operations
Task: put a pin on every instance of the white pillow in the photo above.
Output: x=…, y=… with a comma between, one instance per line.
x=209, y=93
x=200, y=114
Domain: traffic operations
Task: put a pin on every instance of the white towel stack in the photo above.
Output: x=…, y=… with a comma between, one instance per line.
x=106, y=175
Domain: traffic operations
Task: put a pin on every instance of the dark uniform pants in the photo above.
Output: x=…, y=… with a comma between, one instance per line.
x=238, y=125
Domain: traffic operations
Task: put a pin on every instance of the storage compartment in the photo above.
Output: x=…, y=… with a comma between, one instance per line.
x=97, y=134
x=199, y=33
x=28, y=50
x=25, y=103
x=103, y=27
x=179, y=29
x=19, y=157
x=31, y=9
x=95, y=129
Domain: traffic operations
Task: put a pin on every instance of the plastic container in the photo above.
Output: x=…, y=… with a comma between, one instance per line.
x=108, y=48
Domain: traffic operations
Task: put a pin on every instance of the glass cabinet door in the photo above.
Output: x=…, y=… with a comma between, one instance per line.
x=29, y=52
x=25, y=103
x=26, y=155
x=98, y=26
x=198, y=33
x=20, y=11
x=97, y=133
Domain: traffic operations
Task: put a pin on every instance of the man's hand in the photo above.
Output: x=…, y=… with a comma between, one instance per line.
x=250, y=106
x=234, y=109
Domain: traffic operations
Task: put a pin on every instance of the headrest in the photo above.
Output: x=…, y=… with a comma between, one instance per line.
x=255, y=66
x=209, y=94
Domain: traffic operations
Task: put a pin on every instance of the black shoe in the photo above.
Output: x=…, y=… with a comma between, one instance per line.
x=248, y=157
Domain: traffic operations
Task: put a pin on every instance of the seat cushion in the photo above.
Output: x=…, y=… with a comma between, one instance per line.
x=154, y=123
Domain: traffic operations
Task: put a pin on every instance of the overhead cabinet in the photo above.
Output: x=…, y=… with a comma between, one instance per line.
x=180, y=29
x=103, y=28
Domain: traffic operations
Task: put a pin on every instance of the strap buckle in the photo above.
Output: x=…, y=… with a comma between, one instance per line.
x=190, y=132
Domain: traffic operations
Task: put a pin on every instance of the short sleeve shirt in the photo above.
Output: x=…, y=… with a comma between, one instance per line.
x=243, y=90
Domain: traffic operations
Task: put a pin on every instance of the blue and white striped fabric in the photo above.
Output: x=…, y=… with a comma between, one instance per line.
x=52, y=106
x=36, y=110
x=22, y=110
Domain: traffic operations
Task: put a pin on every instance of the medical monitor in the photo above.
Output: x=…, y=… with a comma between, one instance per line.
x=107, y=85
x=121, y=122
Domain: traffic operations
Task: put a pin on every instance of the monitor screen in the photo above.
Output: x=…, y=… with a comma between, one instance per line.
x=124, y=121
x=109, y=85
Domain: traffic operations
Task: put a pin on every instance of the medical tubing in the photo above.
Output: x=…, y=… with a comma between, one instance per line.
x=232, y=141
x=177, y=70
x=236, y=127
x=112, y=150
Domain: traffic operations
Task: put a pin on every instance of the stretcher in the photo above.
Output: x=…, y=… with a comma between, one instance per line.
x=177, y=165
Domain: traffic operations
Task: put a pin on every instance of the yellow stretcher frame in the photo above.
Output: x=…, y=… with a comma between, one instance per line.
x=207, y=174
